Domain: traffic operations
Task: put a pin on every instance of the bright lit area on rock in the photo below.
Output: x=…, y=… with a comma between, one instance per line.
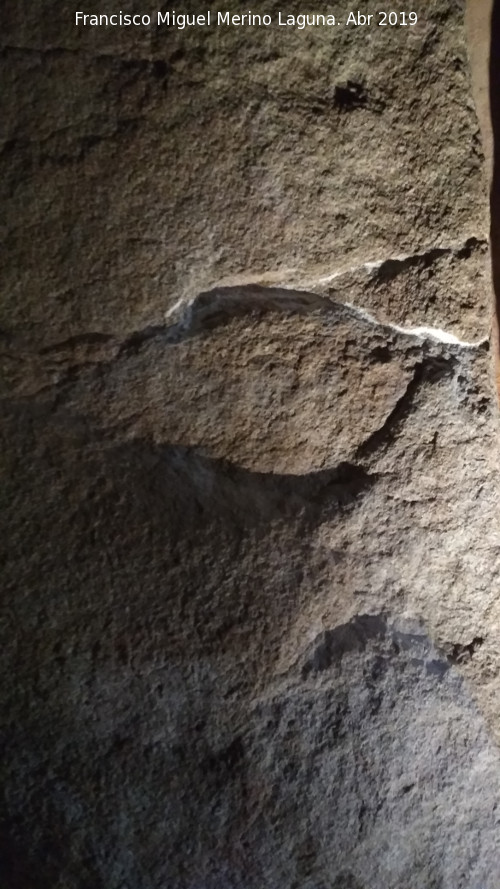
x=250, y=450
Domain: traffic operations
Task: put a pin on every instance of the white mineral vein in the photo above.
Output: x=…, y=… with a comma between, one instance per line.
x=297, y=284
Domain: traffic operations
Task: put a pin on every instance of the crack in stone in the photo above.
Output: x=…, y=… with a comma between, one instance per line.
x=202, y=311
x=422, y=333
x=386, y=269
x=430, y=369
x=390, y=268
x=82, y=339
x=215, y=308
x=287, y=281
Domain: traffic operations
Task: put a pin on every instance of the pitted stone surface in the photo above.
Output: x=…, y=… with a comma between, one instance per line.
x=249, y=481
x=160, y=163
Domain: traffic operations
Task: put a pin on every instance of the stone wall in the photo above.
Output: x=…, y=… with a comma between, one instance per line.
x=250, y=480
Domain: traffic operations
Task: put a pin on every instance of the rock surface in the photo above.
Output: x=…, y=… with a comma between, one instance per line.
x=249, y=464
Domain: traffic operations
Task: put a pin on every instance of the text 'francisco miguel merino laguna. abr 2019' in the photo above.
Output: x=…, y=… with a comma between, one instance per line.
x=209, y=19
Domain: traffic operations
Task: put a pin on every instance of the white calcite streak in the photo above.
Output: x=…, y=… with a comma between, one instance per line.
x=422, y=333
x=292, y=281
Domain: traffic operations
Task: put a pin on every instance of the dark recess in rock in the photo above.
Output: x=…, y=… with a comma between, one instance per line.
x=460, y=653
x=349, y=96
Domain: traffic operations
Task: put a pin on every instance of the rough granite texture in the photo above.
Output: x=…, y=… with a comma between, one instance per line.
x=249, y=467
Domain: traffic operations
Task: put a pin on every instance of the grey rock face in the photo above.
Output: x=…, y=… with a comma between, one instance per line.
x=249, y=462
x=141, y=167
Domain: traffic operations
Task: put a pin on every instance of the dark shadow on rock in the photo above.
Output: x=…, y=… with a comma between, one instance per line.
x=365, y=630
x=21, y=868
x=220, y=488
x=149, y=589
x=352, y=636
x=135, y=560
